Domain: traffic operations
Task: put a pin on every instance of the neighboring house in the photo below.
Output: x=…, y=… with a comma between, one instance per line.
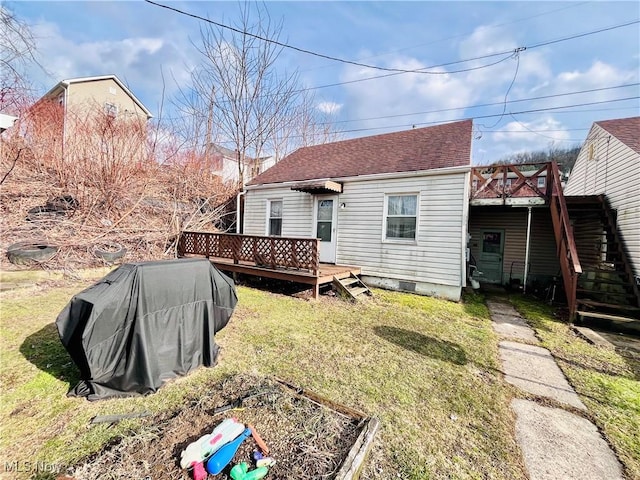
x=106, y=92
x=225, y=164
x=609, y=164
x=100, y=111
x=394, y=204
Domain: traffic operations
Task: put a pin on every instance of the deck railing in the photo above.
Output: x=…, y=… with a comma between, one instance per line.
x=508, y=181
x=268, y=252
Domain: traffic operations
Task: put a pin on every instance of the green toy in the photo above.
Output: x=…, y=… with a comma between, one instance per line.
x=241, y=472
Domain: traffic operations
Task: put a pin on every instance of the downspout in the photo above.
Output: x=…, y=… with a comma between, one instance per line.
x=465, y=229
x=238, y=219
x=526, y=254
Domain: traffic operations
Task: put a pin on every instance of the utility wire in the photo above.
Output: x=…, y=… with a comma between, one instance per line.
x=375, y=67
x=536, y=110
x=482, y=105
x=524, y=19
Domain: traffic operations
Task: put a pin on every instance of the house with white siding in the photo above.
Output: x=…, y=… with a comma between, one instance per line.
x=394, y=204
x=609, y=164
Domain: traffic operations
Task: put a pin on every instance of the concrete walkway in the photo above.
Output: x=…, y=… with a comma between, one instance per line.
x=555, y=443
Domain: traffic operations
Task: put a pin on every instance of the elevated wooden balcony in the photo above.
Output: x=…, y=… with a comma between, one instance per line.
x=521, y=184
x=283, y=258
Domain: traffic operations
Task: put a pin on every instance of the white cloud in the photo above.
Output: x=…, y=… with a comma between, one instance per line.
x=138, y=61
x=598, y=75
x=402, y=94
x=329, y=108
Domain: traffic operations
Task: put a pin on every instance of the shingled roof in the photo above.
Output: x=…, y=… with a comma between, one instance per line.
x=441, y=146
x=627, y=130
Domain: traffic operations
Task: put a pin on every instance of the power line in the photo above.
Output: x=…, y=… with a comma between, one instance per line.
x=536, y=110
x=464, y=34
x=482, y=105
x=375, y=67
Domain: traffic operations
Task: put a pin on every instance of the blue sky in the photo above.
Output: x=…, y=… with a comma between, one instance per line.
x=140, y=42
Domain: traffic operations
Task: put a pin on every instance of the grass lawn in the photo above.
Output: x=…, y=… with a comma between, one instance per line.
x=427, y=368
x=608, y=383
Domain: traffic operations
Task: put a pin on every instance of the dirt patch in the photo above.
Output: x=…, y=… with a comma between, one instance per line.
x=307, y=440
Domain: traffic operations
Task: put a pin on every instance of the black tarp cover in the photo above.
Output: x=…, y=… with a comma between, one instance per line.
x=145, y=323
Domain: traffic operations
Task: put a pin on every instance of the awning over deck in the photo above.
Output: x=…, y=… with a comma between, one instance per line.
x=318, y=187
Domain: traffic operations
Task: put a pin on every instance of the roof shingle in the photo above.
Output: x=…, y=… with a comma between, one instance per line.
x=627, y=130
x=441, y=146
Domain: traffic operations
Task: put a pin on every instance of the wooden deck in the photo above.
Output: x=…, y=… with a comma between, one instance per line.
x=324, y=276
x=282, y=258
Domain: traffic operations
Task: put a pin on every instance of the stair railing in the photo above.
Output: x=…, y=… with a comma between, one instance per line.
x=567, y=253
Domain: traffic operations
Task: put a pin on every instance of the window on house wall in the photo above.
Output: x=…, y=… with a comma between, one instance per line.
x=401, y=217
x=542, y=181
x=111, y=109
x=275, y=217
x=508, y=182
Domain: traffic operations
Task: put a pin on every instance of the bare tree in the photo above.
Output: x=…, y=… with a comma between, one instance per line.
x=239, y=96
x=17, y=52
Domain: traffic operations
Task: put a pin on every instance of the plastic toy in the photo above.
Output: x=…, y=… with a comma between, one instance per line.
x=241, y=472
x=224, y=455
x=265, y=462
x=258, y=439
x=198, y=451
x=199, y=473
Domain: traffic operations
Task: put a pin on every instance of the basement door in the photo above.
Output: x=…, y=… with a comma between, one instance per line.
x=325, y=219
x=491, y=255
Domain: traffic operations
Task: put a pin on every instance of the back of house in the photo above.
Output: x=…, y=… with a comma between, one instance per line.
x=394, y=204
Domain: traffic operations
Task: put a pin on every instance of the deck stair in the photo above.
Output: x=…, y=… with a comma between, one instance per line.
x=351, y=287
x=606, y=293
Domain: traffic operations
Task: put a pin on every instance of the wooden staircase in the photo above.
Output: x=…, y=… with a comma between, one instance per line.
x=351, y=287
x=606, y=292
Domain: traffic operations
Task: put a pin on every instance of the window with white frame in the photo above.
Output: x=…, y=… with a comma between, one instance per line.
x=401, y=217
x=111, y=109
x=274, y=213
x=542, y=181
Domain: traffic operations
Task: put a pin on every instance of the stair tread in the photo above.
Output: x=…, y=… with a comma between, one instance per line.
x=606, y=316
x=350, y=281
x=594, y=303
x=358, y=290
x=605, y=292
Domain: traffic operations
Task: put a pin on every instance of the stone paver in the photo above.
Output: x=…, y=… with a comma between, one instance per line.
x=510, y=326
x=557, y=444
x=534, y=370
x=502, y=308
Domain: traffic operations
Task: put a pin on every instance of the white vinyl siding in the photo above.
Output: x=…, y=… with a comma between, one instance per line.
x=436, y=254
x=297, y=212
x=614, y=169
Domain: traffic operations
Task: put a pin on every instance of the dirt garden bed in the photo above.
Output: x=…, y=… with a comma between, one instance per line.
x=309, y=437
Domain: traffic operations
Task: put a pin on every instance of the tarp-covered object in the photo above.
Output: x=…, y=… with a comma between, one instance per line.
x=145, y=323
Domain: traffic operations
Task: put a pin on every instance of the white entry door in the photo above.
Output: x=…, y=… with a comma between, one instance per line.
x=326, y=215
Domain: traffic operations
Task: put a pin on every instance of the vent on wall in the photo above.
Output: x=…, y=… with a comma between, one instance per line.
x=592, y=151
x=407, y=286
